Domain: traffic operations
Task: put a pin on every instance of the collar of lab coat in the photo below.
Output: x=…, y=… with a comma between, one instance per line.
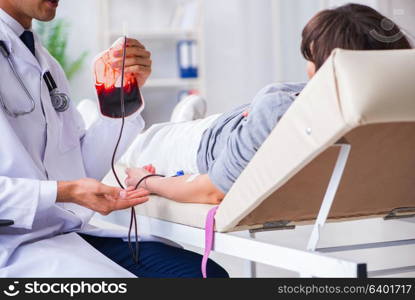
x=12, y=23
x=11, y=31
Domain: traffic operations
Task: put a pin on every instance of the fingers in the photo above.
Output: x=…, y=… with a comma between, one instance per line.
x=138, y=193
x=130, y=43
x=131, y=182
x=124, y=193
x=131, y=197
x=151, y=169
x=133, y=172
x=141, y=73
x=137, y=61
x=131, y=52
x=132, y=61
x=134, y=43
x=128, y=171
x=139, y=67
x=123, y=204
x=138, y=70
x=114, y=192
x=118, y=193
x=131, y=178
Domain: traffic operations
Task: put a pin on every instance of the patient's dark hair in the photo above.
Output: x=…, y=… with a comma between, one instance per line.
x=353, y=27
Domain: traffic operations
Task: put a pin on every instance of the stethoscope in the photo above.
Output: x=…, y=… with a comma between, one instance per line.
x=60, y=101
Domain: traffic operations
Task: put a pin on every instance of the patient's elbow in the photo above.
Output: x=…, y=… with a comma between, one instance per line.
x=214, y=197
x=207, y=192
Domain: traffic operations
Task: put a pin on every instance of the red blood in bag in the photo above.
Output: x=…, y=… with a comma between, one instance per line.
x=108, y=86
x=110, y=99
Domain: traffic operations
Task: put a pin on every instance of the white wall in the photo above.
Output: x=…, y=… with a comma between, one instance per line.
x=238, y=51
x=290, y=18
x=372, y=3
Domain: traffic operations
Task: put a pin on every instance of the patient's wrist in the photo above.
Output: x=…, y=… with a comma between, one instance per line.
x=150, y=183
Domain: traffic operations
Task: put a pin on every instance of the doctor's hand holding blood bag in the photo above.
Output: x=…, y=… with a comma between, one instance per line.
x=107, y=71
x=138, y=60
x=89, y=192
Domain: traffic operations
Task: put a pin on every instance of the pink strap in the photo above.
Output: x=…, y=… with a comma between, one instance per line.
x=209, y=236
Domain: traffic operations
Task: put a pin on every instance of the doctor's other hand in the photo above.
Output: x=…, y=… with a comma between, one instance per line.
x=138, y=60
x=99, y=197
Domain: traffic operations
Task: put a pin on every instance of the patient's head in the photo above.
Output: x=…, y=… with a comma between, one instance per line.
x=353, y=27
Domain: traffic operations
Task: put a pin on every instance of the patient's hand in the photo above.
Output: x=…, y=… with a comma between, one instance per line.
x=134, y=175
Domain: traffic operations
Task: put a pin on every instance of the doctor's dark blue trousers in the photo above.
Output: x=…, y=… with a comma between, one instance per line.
x=156, y=260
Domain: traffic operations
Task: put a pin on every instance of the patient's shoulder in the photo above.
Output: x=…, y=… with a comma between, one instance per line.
x=276, y=96
x=282, y=87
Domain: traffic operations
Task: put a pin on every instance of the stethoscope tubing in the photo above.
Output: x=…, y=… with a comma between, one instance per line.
x=62, y=100
x=23, y=86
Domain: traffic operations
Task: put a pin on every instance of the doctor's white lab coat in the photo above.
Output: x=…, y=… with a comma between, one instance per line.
x=36, y=151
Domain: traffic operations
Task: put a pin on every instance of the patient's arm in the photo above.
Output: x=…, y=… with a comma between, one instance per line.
x=199, y=190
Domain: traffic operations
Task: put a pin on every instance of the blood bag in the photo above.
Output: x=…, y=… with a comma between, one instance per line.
x=108, y=86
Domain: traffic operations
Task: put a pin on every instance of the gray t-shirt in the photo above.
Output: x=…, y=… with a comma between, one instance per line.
x=233, y=139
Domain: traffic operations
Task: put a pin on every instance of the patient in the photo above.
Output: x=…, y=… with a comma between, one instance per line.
x=214, y=151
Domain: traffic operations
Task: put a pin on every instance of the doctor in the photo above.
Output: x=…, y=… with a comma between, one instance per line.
x=51, y=168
